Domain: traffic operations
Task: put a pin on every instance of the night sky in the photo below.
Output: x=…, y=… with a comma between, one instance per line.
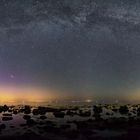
x=79, y=47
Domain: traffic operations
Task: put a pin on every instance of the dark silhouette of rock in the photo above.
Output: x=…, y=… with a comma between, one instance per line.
x=138, y=111
x=2, y=126
x=35, y=112
x=31, y=122
x=85, y=114
x=43, y=117
x=15, y=112
x=1, y=109
x=107, y=113
x=70, y=113
x=10, y=110
x=7, y=114
x=42, y=110
x=21, y=110
x=97, y=109
x=123, y=109
x=5, y=108
x=7, y=118
x=27, y=109
x=129, y=114
x=59, y=114
x=26, y=117
x=114, y=109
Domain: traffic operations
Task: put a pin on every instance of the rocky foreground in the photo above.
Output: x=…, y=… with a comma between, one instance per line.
x=97, y=122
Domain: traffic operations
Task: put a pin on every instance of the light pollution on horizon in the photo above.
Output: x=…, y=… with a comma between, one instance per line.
x=20, y=94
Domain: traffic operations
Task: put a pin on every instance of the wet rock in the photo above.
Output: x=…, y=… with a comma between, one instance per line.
x=107, y=113
x=58, y=114
x=10, y=110
x=43, y=117
x=1, y=109
x=2, y=126
x=35, y=112
x=123, y=109
x=21, y=110
x=42, y=110
x=85, y=114
x=138, y=111
x=97, y=109
x=27, y=109
x=70, y=113
x=26, y=117
x=15, y=112
x=30, y=122
x=114, y=109
x=7, y=114
x=5, y=108
x=129, y=114
x=7, y=118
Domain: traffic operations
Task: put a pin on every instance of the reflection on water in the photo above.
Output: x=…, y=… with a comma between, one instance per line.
x=69, y=122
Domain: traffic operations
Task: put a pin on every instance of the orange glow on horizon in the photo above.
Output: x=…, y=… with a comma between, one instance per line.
x=24, y=94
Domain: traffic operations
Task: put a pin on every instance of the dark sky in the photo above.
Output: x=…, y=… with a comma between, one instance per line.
x=83, y=47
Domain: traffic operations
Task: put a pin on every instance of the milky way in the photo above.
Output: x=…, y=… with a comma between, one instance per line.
x=82, y=47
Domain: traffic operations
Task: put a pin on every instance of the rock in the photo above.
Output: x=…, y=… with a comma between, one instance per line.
x=7, y=114
x=107, y=113
x=5, y=108
x=2, y=126
x=70, y=113
x=97, y=109
x=114, y=109
x=27, y=109
x=43, y=117
x=85, y=114
x=42, y=110
x=15, y=112
x=58, y=114
x=26, y=117
x=123, y=109
x=35, y=112
x=7, y=118
x=30, y=122
x=10, y=110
